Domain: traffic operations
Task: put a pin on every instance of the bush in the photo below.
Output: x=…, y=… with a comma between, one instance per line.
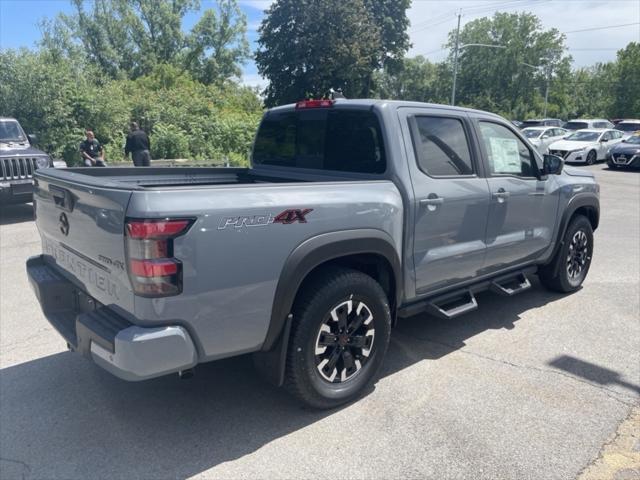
x=57, y=98
x=169, y=141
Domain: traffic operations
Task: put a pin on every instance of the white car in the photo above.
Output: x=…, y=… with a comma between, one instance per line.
x=586, y=146
x=542, y=137
x=587, y=123
x=628, y=127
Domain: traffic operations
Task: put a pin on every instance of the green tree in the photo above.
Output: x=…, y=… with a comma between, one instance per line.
x=415, y=79
x=499, y=79
x=626, y=90
x=308, y=47
x=128, y=38
x=217, y=44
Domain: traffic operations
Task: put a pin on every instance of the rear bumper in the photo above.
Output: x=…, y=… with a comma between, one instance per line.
x=126, y=350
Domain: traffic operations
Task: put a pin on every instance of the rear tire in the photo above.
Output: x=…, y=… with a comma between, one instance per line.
x=568, y=269
x=340, y=335
x=592, y=157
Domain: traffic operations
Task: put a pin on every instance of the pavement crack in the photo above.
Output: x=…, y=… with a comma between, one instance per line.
x=26, y=469
x=613, y=394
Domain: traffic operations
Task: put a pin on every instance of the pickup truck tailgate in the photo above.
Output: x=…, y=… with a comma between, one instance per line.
x=82, y=232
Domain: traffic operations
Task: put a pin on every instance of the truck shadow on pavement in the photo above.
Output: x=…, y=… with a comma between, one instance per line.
x=63, y=417
x=11, y=214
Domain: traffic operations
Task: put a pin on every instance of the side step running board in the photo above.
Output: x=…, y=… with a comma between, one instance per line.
x=454, y=305
x=510, y=285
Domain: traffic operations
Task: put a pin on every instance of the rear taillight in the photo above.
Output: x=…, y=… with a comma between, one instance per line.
x=153, y=270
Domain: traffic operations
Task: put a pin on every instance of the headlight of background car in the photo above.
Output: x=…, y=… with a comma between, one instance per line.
x=42, y=162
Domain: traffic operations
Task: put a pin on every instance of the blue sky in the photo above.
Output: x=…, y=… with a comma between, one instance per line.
x=594, y=29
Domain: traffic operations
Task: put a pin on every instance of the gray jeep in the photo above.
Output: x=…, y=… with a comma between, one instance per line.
x=18, y=162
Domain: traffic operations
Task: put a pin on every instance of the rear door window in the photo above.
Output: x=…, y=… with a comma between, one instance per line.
x=322, y=139
x=442, y=147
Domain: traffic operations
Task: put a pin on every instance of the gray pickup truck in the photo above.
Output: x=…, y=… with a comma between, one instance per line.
x=354, y=213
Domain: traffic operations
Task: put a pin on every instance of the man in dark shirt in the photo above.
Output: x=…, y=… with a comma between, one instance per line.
x=138, y=145
x=91, y=151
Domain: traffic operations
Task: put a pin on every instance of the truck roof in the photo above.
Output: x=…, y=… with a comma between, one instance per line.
x=370, y=102
x=6, y=119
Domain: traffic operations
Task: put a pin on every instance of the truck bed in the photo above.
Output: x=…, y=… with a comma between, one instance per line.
x=132, y=178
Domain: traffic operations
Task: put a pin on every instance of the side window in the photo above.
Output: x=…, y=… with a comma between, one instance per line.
x=606, y=136
x=506, y=153
x=441, y=146
x=557, y=132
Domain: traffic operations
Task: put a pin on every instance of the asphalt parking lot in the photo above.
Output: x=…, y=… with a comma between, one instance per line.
x=529, y=387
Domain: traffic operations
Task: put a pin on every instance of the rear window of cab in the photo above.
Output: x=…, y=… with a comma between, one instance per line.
x=321, y=139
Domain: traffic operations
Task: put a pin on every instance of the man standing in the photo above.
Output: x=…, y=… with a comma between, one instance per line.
x=138, y=145
x=91, y=151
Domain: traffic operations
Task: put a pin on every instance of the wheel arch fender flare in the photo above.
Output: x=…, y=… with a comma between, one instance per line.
x=590, y=203
x=321, y=249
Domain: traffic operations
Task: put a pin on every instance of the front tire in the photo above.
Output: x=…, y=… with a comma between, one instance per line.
x=570, y=266
x=340, y=335
x=592, y=157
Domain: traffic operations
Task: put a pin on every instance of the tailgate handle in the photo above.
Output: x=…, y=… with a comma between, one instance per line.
x=62, y=197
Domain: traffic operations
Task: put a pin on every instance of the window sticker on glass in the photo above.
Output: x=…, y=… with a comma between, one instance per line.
x=504, y=155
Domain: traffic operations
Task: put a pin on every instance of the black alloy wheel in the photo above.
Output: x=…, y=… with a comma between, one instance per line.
x=345, y=341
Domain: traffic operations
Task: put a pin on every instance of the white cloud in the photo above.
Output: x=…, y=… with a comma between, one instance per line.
x=254, y=80
x=257, y=4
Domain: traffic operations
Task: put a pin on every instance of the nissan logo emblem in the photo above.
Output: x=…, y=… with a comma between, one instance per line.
x=64, y=223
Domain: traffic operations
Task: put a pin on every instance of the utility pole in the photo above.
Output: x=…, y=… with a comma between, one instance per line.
x=455, y=63
x=546, y=91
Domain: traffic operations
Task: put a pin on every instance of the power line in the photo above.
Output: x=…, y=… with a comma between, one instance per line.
x=607, y=27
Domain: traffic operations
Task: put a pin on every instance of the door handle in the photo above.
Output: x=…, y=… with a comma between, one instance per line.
x=501, y=195
x=432, y=201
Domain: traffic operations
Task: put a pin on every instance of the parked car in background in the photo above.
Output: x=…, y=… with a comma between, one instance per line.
x=628, y=127
x=583, y=123
x=625, y=154
x=18, y=161
x=542, y=137
x=516, y=123
x=586, y=146
x=542, y=122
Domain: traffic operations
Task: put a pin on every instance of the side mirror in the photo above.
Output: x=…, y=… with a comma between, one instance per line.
x=552, y=164
x=604, y=140
x=545, y=136
x=32, y=139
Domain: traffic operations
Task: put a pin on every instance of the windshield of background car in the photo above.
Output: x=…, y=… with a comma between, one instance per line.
x=584, y=136
x=532, y=133
x=531, y=123
x=628, y=127
x=575, y=125
x=635, y=140
x=11, y=132
x=321, y=139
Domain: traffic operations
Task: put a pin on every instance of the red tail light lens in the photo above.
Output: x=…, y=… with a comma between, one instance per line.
x=146, y=229
x=153, y=270
x=314, y=104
